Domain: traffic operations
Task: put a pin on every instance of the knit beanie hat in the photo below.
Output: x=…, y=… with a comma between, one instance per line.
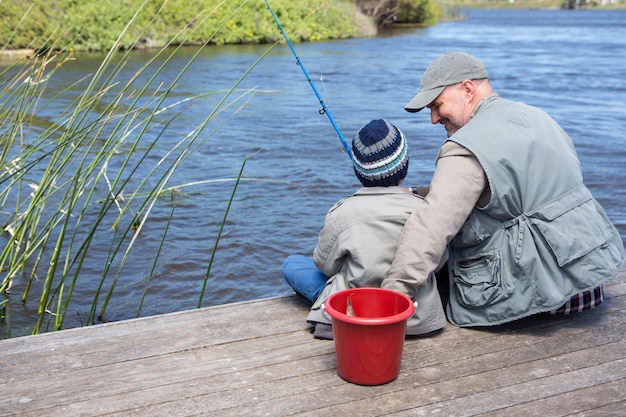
x=380, y=154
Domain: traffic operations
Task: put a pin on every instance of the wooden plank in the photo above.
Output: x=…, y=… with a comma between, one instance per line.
x=540, y=349
x=325, y=397
x=128, y=340
x=429, y=389
x=211, y=325
x=260, y=358
x=611, y=396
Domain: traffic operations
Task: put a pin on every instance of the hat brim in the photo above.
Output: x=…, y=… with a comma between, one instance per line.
x=423, y=99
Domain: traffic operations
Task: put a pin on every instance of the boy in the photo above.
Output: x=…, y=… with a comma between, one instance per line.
x=360, y=234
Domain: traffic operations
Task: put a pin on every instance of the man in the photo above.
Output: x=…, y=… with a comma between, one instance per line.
x=506, y=205
x=360, y=234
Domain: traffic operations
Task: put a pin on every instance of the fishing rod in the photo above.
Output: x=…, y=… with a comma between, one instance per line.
x=324, y=109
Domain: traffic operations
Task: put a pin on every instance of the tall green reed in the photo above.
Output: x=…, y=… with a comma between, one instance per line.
x=64, y=183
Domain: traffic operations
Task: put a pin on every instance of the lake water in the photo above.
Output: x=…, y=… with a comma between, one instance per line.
x=568, y=62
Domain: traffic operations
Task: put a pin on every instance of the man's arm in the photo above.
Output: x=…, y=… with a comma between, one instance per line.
x=456, y=186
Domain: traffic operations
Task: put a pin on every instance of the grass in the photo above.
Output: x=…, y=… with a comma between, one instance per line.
x=68, y=181
x=95, y=25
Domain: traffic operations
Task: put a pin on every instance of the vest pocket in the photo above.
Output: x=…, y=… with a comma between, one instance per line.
x=574, y=233
x=479, y=281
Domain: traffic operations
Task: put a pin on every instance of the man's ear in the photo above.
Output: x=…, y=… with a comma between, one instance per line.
x=469, y=88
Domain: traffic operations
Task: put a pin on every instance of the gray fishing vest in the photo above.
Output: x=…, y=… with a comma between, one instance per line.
x=542, y=238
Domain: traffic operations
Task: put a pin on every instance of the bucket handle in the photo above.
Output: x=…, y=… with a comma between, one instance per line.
x=327, y=317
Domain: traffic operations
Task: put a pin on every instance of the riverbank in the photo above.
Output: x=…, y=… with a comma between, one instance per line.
x=92, y=25
x=315, y=21
x=23, y=53
x=95, y=26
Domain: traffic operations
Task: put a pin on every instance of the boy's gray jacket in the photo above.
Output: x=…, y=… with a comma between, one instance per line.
x=357, y=244
x=542, y=238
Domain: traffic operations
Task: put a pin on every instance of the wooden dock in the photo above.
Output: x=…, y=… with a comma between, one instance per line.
x=259, y=359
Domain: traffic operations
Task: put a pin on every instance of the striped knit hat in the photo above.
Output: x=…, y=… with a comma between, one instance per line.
x=380, y=155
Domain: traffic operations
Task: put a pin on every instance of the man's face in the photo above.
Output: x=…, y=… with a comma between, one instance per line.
x=451, y=108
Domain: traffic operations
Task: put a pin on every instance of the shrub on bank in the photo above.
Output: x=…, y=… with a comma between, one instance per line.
x=95, y=25
x=419, y=11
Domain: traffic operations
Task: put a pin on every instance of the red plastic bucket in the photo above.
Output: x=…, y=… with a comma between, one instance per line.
x=368, y=346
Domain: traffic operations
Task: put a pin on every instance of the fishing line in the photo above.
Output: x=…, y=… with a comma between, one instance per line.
x=324, y=109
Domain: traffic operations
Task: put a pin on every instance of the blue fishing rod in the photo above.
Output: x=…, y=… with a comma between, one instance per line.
x=324, y=109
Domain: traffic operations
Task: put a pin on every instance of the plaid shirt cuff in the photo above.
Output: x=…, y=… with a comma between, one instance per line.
x=581, y=302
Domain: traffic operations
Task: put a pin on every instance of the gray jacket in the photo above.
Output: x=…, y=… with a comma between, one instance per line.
x=533, y=239
x=542, y=238
x=357, y=244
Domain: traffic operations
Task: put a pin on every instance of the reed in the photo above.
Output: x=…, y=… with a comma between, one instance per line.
x=66, y=182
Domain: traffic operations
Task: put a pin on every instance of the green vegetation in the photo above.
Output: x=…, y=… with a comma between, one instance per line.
x=72, y=178
x=94, y=25
x=388, y=12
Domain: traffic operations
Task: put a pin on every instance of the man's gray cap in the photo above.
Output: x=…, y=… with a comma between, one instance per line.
x=448, y=69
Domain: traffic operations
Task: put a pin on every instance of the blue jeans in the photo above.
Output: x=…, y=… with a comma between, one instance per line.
x=303, y=276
